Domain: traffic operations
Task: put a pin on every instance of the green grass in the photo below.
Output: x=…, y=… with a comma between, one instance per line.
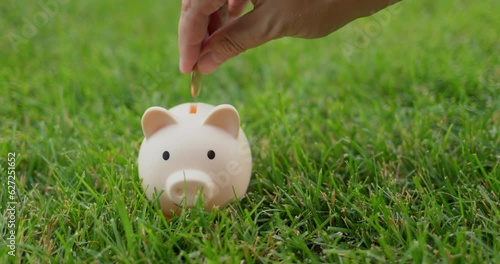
x=383, y=148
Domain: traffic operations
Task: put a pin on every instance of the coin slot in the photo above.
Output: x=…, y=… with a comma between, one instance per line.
x=193, y=109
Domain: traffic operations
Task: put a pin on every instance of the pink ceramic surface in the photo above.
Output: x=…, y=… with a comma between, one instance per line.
x=194, y=149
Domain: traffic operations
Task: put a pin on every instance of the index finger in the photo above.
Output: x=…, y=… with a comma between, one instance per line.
x=193, y=25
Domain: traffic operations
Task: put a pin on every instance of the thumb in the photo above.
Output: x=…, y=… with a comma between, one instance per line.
x=251, y=30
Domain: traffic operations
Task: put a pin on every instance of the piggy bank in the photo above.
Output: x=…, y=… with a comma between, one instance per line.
x=194, y=151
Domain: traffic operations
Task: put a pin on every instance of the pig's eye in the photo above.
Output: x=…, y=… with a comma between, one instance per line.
x=166, y=155
x=211, y=154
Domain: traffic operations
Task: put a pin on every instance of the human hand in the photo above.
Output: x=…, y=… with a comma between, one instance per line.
x=204, y=40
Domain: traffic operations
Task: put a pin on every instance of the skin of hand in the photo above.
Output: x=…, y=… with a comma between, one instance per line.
x=207, y=40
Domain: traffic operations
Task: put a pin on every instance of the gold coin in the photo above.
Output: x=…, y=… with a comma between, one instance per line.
x=195, y=83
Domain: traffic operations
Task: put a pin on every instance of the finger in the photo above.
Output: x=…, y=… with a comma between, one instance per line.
x=236, y=7
x=192, y=31
x=251, y=30
x=207, y=7
x=193, y=25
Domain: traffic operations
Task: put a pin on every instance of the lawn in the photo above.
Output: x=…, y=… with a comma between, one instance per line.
x=379, y=143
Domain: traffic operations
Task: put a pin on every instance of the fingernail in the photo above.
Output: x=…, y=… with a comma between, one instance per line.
x=181, y=67
x=208, y=63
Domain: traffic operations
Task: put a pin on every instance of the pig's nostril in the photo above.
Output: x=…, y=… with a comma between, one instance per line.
x=178, y=191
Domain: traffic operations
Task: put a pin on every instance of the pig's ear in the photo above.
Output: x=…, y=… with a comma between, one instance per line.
x=226, y=118
x=155, y=118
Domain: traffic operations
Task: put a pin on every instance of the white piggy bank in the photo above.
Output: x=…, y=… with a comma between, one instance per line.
x=194, y=149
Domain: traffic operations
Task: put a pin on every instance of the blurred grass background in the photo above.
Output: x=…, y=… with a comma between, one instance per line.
x=377, y=143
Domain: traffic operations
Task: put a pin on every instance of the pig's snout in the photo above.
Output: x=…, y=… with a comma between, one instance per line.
x=184, y=187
